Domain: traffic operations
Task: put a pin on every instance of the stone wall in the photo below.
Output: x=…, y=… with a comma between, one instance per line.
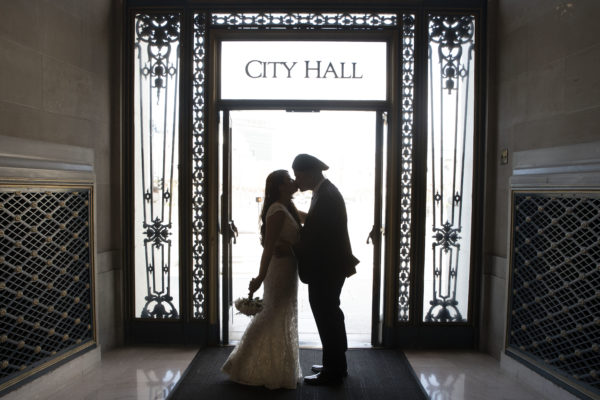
x=59, y=70
x=544, y=91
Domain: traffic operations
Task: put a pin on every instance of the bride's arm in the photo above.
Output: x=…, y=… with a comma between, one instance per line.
x=272, y=232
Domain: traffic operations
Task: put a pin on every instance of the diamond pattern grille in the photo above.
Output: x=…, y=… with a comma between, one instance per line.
x=554, y=312
x=45, y=276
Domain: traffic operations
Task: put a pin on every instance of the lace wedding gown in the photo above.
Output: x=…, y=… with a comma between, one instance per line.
x=267, y=354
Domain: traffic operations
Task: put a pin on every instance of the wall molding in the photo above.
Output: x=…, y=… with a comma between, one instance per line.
x=27, y=159
x=573, y=166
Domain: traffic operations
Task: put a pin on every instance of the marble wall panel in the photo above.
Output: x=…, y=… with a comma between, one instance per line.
x=102, y=145
x=580, y=29
x=493, y=322
x=73, y=7
x=62, y=32
x=544, y=37
x=545, y=91
x=66, y=130
x=20, y=74
x=584, y=124
x=100, y=24
x=500, y=231
x=513, y=101
x=583, y=80
x=68, y=89
x=513, y=14
x=110, y=306
x=18, y=18
x=515, y=63
x=19, y=120
x=553, y=127
x=104, y=211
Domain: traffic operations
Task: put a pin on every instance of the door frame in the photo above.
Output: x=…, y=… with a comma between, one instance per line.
x=216, y=105
x=229, y=232
x=206, y=330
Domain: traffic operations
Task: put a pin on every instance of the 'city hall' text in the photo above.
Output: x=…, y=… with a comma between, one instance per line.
x=309, y=69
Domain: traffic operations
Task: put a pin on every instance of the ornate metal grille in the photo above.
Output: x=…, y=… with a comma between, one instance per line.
x=199, y=164
x=554, y=311
x=408, y=87
x=450, y=154
x=157, y=79
x=304, y=20
x=45, y=277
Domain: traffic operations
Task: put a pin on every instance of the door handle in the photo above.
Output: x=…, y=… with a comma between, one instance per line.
x=372, y=236
x=233, y=231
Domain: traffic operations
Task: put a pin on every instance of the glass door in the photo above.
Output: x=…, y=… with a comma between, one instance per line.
x=256, y=142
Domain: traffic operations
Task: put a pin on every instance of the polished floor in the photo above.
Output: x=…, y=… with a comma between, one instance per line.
x=151, y=373
x=466, y=375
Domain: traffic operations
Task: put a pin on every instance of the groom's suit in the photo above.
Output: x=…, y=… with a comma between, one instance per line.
x=325, y=260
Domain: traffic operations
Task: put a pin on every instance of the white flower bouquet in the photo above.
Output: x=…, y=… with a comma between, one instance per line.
x=249, y=306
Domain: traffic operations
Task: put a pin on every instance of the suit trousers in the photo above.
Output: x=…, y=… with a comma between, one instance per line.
x=324, y=298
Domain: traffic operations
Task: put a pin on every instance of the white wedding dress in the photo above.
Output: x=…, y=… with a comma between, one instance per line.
x=267, y=355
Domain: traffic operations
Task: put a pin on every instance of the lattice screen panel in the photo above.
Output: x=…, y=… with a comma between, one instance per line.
x=45, y=277
x=554, y=312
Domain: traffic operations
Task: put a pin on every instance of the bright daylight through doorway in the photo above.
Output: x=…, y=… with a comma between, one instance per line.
x=263, y=141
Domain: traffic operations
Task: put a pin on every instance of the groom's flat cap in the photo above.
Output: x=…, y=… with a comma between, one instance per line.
x=306, y=162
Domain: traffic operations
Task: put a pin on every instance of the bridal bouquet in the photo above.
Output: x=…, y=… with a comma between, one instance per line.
x=249, y=306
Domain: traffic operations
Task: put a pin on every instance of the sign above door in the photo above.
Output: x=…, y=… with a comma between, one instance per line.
x=303, y=70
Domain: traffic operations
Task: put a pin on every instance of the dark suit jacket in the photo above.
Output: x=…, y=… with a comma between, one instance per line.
x=324, y=250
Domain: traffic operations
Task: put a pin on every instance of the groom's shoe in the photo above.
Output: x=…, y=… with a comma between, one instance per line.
x=318, y=368
x=323, y=380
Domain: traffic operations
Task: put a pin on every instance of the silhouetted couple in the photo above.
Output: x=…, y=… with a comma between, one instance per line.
x=314, y=246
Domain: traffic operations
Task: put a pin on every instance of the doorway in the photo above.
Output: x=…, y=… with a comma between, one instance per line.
x=261, y=141
x=394, y=62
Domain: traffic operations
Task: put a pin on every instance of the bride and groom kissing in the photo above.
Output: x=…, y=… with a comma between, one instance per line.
x=315, y=247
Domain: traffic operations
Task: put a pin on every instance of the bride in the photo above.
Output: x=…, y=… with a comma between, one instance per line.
x=267, y=354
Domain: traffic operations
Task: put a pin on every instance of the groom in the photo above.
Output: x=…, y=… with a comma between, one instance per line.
x=325, y=260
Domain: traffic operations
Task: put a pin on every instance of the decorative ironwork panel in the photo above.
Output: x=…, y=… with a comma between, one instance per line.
x=46, y=274
x=450, y=167
x=554, y=308
x=407, y=113
x=156, y=164
x=199, y=166
x=338, y=21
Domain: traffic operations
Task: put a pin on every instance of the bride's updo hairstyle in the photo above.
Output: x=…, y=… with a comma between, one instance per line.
x=272, y=184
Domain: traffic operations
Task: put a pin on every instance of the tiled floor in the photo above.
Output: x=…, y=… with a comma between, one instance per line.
x=150, y=373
